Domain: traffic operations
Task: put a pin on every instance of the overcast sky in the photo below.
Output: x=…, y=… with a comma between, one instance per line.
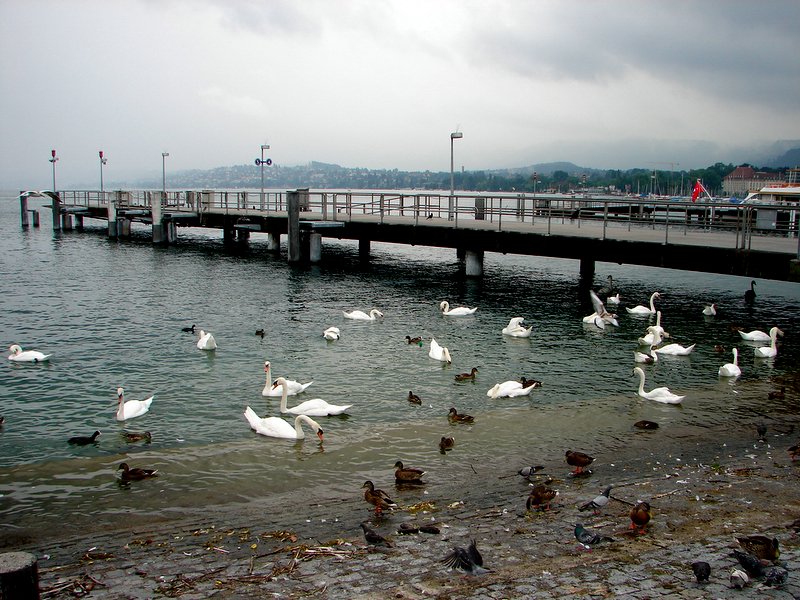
x=382, y=84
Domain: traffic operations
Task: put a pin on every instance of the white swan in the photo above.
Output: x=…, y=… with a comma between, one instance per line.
x=293, y=386
x=651, y=338
x=18, y=355
x=277, y=427
x=710, y=310
x=676, y=349
x=643, y=310
x=613, y=299
x=770, y=351
x=755, y=336
x=600, y=316
x=313, y=408
x=731, y=369
x=515, y=328
x=661, y=394
x=206, y=341
x=459, y=311
x=645, y=358
x=360, y=315
x=331, y=333
x=509, y=389
x=131, y=408
x=438, y=352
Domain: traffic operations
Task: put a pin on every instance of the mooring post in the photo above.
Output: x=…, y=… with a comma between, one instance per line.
x=293, y=225
x=19, y=576
x=159, y=235
x=23, y=209
x=314, y=247
x=56, y=212
x=587, y=270
x=111, y=212
x=363, y=249
x=473, y=266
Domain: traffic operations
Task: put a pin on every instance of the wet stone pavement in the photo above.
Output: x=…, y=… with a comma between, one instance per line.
x=318, y=550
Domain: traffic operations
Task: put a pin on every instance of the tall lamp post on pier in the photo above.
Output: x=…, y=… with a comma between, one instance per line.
x=260, y=162
x=53, y=160
x=103, y=161
x=164, y=156
x=456, y=135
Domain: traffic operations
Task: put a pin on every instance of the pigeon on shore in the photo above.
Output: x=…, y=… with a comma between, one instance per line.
x=750, y=563
x=373, y=538
x=702, y=571
x=739, y=579
x=776, y=576
x=528, y=471
x=468, y=560
x=597, y=503
x=588, y=538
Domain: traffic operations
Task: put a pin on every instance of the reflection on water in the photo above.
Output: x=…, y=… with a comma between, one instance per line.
x=112, y=312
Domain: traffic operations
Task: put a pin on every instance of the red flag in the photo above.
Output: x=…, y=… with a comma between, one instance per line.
x=698, y=189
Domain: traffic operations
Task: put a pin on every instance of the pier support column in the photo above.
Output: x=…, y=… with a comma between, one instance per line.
x=123, y=227
x=172, y=231
x=273, y=242
x=112, y=219
x=461, y=255
x=159, y=233
x=56, y=213
x=23, y=210
x=363, y=249
x=314, y=247
x=587, y=271
x=474, y=263
x=242, y=236
x=293, y=226
x=78, y=222
x=34, y=217
x=66, y=222
x=228, y=234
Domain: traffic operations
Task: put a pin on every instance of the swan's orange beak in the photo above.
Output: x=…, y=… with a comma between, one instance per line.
x=319, y=435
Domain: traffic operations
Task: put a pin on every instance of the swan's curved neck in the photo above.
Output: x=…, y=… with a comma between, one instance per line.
x=284, y=395
x=640, y=373
x=658, y=315
x=652, y=300
x=297, y=427
x=121, y=406
x=735, y=356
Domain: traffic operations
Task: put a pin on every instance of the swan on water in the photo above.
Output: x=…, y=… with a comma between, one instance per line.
x=509, y=389
x=608, y=288
x=731, y=369
x=660, y=394
x=206, y=341
x=710, y=310
x=131, y=408
x=360, y=315
x=313, y=408
x=613, y=299
x=277, y=427
x=331, y=333
x=770, y=351
x=294, y=387
x=651, y=338
x=459, y=311
x=643, y=310
x=600, y=316
x=20, y=355
x=438, y=352
x=675, y=349
x=645, y=358
x=516, y=329
x=754, y=336
x=750, y=295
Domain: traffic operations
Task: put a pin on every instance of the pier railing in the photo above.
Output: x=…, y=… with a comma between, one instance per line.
x=547, y=213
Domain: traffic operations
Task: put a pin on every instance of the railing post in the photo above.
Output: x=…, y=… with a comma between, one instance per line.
x=380, y=208
x=605, y=218
x=666, y=226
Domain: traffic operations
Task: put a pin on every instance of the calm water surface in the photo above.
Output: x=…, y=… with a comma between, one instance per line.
x=111, y=314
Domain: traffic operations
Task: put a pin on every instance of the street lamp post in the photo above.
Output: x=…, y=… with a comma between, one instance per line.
x=164, y=156
x=53, y=159
x=261, y=163
x=456, y=135
x=103, y=161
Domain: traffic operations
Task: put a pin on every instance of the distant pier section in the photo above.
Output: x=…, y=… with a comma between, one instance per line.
x=753, y=240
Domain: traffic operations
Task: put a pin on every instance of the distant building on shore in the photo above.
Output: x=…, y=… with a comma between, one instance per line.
x=745, y=179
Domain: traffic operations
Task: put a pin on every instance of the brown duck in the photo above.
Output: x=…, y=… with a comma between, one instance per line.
x=378, y=498
x=640, y=516
x=446, y=443
x=579, y=460
x=130, y=436
x=413, y=398
x=454, y=417
x=760, y=546
x=407, y=474
x=540, y=497
x=644, y=424
x=778, y=394
x=467, y=376
x=414, y=340
x=136, y=474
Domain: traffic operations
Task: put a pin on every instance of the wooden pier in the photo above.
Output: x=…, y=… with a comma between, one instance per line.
x=737, y=239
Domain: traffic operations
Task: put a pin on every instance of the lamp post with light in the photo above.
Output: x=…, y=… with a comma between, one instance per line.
x=164, y=156
x=456, y=135
x=103, y=161
x=53, y=160
x=260, y=162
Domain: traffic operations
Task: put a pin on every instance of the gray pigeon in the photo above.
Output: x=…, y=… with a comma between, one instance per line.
x=749, y=563
x=469, y=560
x=598, y=502
x=776, y=576
x=373, y=538
x=588, y=538
x=739, y=579
x=702, y=570
x=528, y=471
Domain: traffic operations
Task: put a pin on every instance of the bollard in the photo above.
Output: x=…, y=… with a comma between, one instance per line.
x=19, y=576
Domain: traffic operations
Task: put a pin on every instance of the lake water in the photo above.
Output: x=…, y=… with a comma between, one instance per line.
x=111, y=313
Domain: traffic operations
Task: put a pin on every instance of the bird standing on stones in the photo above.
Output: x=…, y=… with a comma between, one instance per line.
x=579, y=460
x=588, y=538
x=378, y=498
x=702, y=571
x=761, y=430
x=84, y=440
x=640, y=516
x=373, y=538
x=407, y=474
x=528, y=471
x=753, y=565
x=540, y=497
x=776, y=576
x=469, y=560
x=136, y=473
x=597, y=503
x=739, y=579
x=413, y=398
x=760, y=546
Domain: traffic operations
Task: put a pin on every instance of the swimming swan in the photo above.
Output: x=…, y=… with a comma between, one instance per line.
x=710, y=310
x=645, y=358
x=360, y=315
x=438, y=352
x=675, y=349
x=18, y=355
x=755, y=336
x=661, y=394
x=459, y=311
x=509, y=389
x=772, y=350
x=643, y=310
x=731, y=369
x=294, y=387
x=206, y=341
x=277, y=427
x=131, y=408
x=515, y=328
x=313, y=408
x=331, y=333
x=600, y=316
